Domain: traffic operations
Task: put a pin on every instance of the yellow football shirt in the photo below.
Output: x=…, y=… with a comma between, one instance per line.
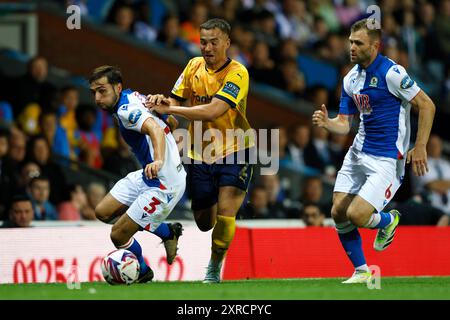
x=229, y=83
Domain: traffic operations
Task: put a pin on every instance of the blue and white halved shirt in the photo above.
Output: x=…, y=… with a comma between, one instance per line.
x=381, y=93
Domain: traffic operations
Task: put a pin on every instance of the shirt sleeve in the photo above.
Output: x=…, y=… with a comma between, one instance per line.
x=133, y=115
x=235, y=87
x=182, y=89
x=347, y=105
x=400, y=84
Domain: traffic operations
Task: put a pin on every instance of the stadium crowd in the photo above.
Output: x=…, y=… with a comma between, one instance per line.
x=285, y=44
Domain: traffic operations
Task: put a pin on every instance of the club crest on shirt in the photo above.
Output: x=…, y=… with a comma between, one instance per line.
x=406, y=82
x=373, y=82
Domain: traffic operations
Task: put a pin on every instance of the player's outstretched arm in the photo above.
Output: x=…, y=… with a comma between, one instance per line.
x=157, y=136
x=158, y=99
x=418, y=155
x=204, y=112
x=340, y=125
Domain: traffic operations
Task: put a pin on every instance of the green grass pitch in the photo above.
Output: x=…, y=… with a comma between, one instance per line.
x=290, y=289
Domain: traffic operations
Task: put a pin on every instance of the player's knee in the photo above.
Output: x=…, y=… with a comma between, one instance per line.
x=204, y=226
x=338, y=214
x=356, y=217
x=101, y=214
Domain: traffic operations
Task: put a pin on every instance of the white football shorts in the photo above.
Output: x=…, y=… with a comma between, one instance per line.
x=375, y=179
x=148, y=206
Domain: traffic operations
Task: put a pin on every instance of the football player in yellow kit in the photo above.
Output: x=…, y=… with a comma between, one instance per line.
x=216, y=89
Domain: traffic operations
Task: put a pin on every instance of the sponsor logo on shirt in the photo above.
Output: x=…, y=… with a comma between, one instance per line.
x=202, y=99
x=231, y=89
x=134, y=116
x=362, y=101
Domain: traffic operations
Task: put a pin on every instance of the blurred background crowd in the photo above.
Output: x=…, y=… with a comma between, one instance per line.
x=297, y=47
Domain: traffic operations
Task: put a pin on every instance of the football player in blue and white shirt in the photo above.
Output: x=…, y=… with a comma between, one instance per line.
x=373, y=168
x=146, y=196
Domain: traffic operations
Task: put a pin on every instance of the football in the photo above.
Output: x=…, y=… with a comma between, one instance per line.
x=120, y=267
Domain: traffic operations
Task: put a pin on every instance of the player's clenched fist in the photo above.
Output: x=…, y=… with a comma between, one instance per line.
x=151, y=169
x=156, y=100
x=320, y=117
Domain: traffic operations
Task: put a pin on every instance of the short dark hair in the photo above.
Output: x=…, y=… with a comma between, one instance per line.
x=112, y=73
x=68, y=88
x=18, y=198
x=370, y=25
x=220, y=24
x=38, y=178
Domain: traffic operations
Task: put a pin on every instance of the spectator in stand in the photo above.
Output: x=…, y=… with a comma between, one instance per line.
x=121, y=161
x=262, y=68
x=17, y=145
x=190, y=29
x=126, y=22
x=335, y=49
x=56, y=135
x=39, y=152
x=420, y=213
x=317, y=152
x=293, y=80
x=434, y=186
x=33, y=87
x=318, y=94
x=258, y=206
x=442, y=31
x=28, y=171
x=312, y=215
x=427, y=31
x=319, y=32
x=326, y=10
x=264, y=27
x=288, y=50
x=169, y=37
x=390, y=29
x=245, y=40
x=76, y=208
x=20, y=213
x=39, y=191
x=277, y=195
x=338, y=147
x=229, y=10
x=16, y=152
x=301, y=134
x=88, y=141
x=348, y=12
x=70, y=98
x=6, y=113
x=283, y=141
x=95, y=193
x=7, y=177
x=313, y=193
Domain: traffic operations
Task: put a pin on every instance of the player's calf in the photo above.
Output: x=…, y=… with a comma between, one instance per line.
x=122, y=237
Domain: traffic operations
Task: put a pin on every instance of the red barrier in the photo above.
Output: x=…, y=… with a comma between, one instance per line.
x=317, y=252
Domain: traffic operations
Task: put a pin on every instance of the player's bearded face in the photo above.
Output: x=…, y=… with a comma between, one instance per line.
x=106, y=94
x=362, y=48
x=213, y=45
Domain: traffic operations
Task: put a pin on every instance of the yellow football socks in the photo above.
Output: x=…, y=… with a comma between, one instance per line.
x=222, y=236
